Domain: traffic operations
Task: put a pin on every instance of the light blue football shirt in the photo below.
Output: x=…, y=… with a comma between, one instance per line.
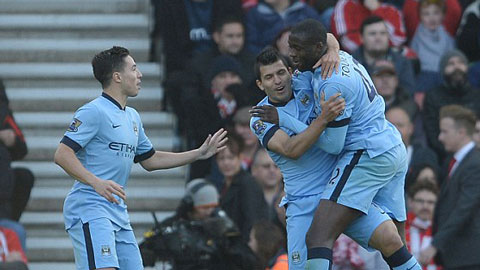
x=364, y=109
x=309, y=174
x=107, y=140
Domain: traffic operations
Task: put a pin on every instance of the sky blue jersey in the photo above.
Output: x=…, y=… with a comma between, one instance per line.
x=107, y=140
x=364, y=109
x=310, y=173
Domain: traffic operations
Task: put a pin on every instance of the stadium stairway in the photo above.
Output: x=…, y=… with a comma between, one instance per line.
x=45, y=52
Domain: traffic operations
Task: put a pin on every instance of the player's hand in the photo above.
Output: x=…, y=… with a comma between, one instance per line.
x=106, y=188
x=329, y=62
x=427, y=255
x=266, y=113
x=213, y=144
x=331, y=108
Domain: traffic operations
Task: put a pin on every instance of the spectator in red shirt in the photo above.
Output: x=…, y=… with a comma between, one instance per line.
x=12, y=256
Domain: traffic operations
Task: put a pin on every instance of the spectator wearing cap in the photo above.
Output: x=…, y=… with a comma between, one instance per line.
x=386, y=82
x=375, y=46
x=454, y=89
x=210, y=108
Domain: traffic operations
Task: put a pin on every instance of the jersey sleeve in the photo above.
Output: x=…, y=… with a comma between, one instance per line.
x=144, y=148
x=331, y=89
x=263, y=130
x=83, y=128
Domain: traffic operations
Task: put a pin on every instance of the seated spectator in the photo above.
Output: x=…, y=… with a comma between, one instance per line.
x=468, y=35
x=198, y=236
x=268, y=242
x=241, y=197
x=251, y=144
x=454, y=89
x=269, y=17
x=411, y=17
x=416, y=152
x=325, y=9
x=385, y=79
x=269, y=177
x=423, y=171
x=211, y=109
x=12, y=255
x=418, y=228
x=374, y=35
x=431, y=41
x=281, y=42
x=349, y=15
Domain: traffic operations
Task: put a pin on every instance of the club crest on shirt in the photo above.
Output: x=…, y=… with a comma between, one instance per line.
x=259, y=127
x=74, y=125
x=295, y=257
x=106, y=250
x=135, y=128
x=305, y=99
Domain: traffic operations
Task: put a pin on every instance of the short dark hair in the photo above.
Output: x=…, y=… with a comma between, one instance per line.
x=106, y=62
x=463, y=117
x=268, y=56
x=370, y=20
x=235, y=143
x=218, y=27
x=312, y=31
x=269, y=240
x=423, y=185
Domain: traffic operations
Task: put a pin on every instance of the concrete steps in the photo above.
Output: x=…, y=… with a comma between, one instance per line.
x=68, y=75
x=73, y=6
x=74, y=26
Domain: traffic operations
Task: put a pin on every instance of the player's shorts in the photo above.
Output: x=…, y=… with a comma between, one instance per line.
x=300, y=212
x=359, y=180
x=100, y=243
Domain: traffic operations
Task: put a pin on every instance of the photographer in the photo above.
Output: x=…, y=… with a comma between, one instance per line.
x=199, y=236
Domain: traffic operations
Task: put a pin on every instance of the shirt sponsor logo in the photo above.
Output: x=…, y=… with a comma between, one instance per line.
x=123, y=149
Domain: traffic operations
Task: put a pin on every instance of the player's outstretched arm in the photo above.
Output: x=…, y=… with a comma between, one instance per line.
x=65, y=157
x=295, y=146
x=164, y=160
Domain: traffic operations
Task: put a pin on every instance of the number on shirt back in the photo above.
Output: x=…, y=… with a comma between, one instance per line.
x=371, y=91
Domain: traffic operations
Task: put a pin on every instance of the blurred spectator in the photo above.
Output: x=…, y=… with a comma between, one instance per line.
x=251, y=144
x=212, y=108
x=422, y=171
x=268, y=242
x=269, y=17
x=457, y=215
x=468, y=35
x=182, y=28
x=385, y=79
x=374, y=35
x=431, y=40
x=269, y=177
x=12, y=256
x=281, y=42
x=348, y=17
x=325, y=9
x=345, y=254
x=453, y=12
x=454, y=89
x=241, y=197
x=416, y=152
x=476, y=134
x=418, y=228
x=199, y=230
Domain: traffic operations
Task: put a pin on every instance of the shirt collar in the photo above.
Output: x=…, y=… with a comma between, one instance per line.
x=280, y=104
x=460, y=154
x=111, y=99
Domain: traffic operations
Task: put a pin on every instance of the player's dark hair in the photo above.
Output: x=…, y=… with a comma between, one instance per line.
x=106, y=62
x=311, y=31
x=370, y=20
x=268, y=56
x=463, y=117
x=218, y=27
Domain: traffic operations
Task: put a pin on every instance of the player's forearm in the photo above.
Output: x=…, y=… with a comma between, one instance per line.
x=166, y=160
x=66, y=158
x=299, y=144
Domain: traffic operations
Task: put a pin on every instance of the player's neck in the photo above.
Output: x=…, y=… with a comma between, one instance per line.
x=117, y=96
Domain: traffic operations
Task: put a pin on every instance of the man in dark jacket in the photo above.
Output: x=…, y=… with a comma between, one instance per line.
x=457, y=214
x=454, y=90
